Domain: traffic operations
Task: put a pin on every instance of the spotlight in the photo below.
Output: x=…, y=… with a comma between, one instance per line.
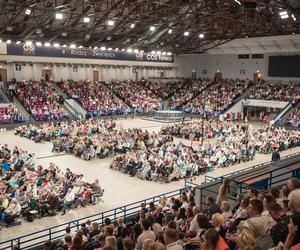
x=132, y=25
x=201, y=35
x=59, y=16
x=110, y=22
x=56, y=45
x=8, y=41
x=152, y=28
x=186, y=33
x=86, y=19
x=28, y=12
x=72, y=46
x=39, y=44
x=18, y=42
x=170, y=31
x=47, y=44
x=103, y=48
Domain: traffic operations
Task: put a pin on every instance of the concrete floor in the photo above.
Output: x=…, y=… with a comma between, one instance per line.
x=120, y=189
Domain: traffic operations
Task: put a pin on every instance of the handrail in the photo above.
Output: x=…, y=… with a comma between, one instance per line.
x=221, y=177
x=51, y=232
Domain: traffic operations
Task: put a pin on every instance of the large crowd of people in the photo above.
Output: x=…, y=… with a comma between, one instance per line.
x=28, y=189
x=40, y=100
x=259, y=221
x=95, y=98
x=276, y=92
x=234, y=144
x=217, y=98
x=141, y=99
x=188, y=92
x=10, y=115
x=91, y=138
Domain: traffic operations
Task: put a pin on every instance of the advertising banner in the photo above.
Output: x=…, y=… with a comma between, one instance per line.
x=33, y=50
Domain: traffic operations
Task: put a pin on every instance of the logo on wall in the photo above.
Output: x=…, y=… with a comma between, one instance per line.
x=28, y=49
x=18, y=67
x=139, y=56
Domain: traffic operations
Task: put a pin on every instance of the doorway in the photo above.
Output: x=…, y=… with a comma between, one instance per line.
x=47, y=75
x=257, y=78
x=95, y=76
x=3, y=75
x=218, y=76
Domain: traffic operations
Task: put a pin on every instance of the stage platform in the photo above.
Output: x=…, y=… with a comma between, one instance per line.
x=167, y=116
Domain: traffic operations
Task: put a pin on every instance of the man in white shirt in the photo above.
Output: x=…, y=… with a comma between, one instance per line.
x=194, y=224
x=67, y=200
x=147, y=234
x=170, y=237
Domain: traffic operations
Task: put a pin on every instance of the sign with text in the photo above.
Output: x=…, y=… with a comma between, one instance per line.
x=264, y=103
x=33, y=50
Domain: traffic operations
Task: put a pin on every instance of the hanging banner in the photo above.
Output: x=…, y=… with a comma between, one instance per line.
x=33, y=50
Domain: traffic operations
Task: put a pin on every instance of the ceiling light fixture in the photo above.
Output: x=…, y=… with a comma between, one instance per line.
x=238, y=2
x=294, y=18
x=132, y=25
x=116, y=49
x=73, y=46
x=39, y=44
x=109, y=49
x=201, y=35
x=80, y=47
x=28, y=43
x=65, y=45
x=170, y=31
x=164, y=53
x=186, y=33
x=152, y=28
x=110, y=22
x=47, y=44
x=96, y=47
x=56, y=45
x=136, y=51
x=86, y=19
x=28, y=12
x=59, y=16
x=169, y=53
x=129, y=50
x=153, y=52
x=283, y=14
x=103, y=48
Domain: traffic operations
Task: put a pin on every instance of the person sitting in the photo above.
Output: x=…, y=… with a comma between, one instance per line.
x=67, y=201
x=12, y=212
x=146, y=234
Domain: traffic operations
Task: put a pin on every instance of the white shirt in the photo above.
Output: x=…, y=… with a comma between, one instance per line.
x=69, y=197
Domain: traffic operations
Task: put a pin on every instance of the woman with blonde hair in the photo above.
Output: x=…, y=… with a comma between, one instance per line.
x=111, y=241
x=217, y=222
x=245, y=240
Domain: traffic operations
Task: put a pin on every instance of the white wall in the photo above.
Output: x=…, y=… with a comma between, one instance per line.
x=34, y=72
x=228, y=64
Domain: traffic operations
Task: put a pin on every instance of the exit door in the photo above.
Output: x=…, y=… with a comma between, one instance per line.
x=95, y=75
x=47, y=75
x=3, y=75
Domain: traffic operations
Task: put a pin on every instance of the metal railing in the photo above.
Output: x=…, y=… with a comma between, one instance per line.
x=56, y=232
x=208, y=178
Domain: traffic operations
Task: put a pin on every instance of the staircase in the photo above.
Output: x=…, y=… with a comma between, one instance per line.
x=21, y=109
x=3, y=97
x=285, y=113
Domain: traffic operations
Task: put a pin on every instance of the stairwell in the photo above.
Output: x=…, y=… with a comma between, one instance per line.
x=21, y=109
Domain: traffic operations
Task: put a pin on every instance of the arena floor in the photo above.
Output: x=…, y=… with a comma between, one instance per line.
x=120, y=189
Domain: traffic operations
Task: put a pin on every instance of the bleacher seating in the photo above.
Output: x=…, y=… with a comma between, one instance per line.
x=39, y=99
x=10, y=115
x=95, y=98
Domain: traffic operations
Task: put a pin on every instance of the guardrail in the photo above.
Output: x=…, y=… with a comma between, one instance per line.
x=208, y=178
x=39, y=237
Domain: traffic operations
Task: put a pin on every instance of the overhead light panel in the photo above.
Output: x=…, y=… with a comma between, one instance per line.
x=129, y=50
x=64, y=34
x=152, y=28
x=186, y=33
x=102, y=48
x=56, y=45
x=132, y=25
x=283, y=14
x=39, y=44
x=201, y=35
x=47, y=44
x=123, y=50
x=95, y=47
x=164, y=53
x=170, y=31
x=142, y=51
x=153, y=52
x=28, y=12
x=158, y=52
x=116, y=49
x=238, y=2
x=109, y=49
x=80, y=47
x=136, y=51
x=28, y=43
x=169, y=53
x=294, y=18
x=73, y=46
x=111, y=22
x=65, y=45
x=59, y=16
x=8, y=41
x=9, y=28
x=18, y=42
x=86, y=19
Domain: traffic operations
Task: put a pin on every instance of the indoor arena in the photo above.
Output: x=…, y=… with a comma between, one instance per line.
x=150, y=125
